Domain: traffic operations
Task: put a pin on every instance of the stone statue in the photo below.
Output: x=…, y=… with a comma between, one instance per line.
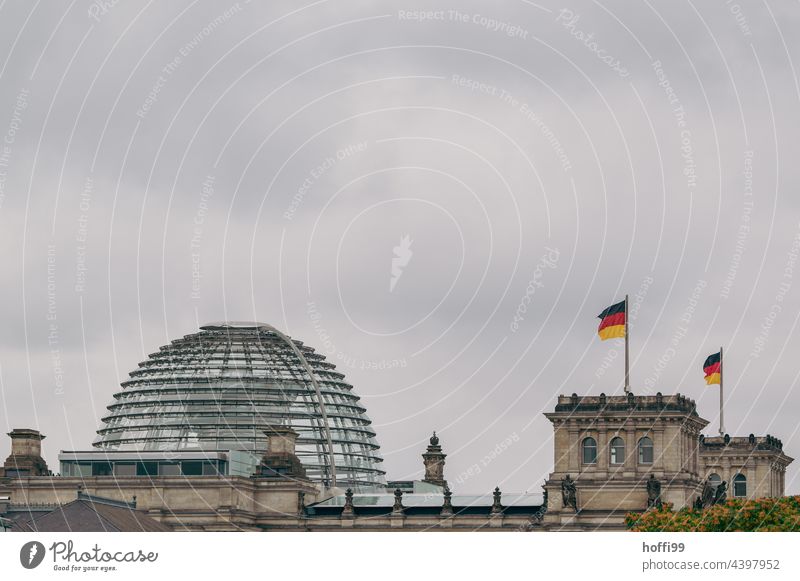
x=569, y=493
x=497, y=505
x=447, y=502
x=707, y=497
x=398, y=502
x=653, y=492
x=721, y=494
x=348, y=503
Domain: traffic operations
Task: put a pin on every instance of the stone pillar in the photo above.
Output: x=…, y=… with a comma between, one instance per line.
x=574, y=450
x=726, y=473
x=658, y=451
x=602, y=449
x=630, y=445
x=687, y=459
x=772, y=481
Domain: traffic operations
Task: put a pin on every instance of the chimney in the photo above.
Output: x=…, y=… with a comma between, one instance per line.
x=26, y=454
x=433, y=458
x=280, y=459
x=281, y=440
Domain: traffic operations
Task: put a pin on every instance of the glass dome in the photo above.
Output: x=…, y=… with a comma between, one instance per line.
x=221, y=388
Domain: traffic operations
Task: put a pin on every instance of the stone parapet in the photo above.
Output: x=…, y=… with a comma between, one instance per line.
x=618, y=403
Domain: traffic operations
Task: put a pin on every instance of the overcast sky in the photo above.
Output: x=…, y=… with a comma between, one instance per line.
x=438, y=196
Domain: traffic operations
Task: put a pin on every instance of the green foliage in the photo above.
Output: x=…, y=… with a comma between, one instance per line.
x=761, y=514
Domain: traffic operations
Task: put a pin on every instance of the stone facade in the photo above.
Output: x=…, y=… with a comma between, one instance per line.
x=207, y=503
x=278, y=497
x=612, y=455
x=611, y=446
x=757, y=464
x=273, y=498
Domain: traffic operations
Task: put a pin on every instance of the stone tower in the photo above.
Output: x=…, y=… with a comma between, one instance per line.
x=434, y=463
x=610, y=446
x=753, y=466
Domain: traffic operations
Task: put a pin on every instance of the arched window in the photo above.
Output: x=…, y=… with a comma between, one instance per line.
x=617, y=451
x=589, y=448
x=740, y=486
x=645, y=451
x=715, y=479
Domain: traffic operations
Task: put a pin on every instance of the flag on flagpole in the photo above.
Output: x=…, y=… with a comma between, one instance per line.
x=712, y=368
x=612, y=322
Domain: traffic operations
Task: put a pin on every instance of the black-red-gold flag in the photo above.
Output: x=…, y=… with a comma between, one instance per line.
x=612, y=322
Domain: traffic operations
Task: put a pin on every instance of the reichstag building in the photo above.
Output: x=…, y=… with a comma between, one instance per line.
x=240, y=428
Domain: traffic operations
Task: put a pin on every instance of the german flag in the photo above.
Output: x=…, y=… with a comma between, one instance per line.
x=612, y=322
x=712, y=367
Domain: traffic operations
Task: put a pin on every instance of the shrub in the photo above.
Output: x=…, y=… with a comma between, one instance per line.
x=761, y=514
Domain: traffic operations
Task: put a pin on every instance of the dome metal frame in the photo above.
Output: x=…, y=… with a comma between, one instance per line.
x=223, y=387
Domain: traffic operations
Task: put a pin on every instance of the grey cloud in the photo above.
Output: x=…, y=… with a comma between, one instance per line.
x=622, y=211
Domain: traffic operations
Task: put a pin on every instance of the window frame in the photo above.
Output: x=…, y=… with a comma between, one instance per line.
x=739, y=479
x=641, y=450
x=585, y=446
x=617, y=443
x=124, y=469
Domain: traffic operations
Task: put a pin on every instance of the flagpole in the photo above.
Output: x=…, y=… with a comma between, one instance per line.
x=627, y=353
x=721, y=422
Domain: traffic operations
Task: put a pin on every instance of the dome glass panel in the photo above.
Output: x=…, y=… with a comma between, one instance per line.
x=223, y=387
